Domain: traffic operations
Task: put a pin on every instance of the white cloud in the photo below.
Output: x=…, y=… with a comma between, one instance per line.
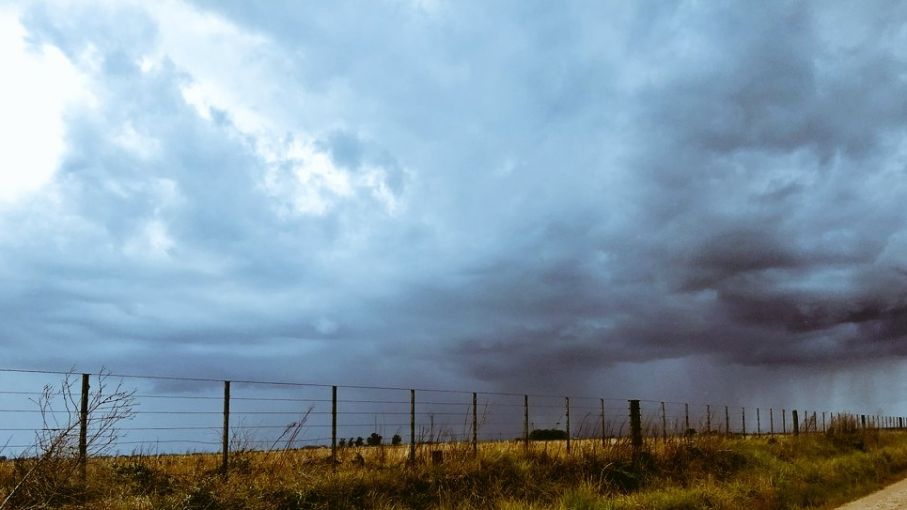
x=137, y=143
x=242, y=82
x=38, y=86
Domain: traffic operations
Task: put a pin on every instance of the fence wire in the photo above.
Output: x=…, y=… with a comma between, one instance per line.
x=168, y=414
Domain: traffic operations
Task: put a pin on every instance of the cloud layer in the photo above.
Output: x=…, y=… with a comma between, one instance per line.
x=511, y=193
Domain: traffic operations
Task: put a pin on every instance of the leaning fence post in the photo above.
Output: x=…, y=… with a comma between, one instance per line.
x=635, y=426
x=412, y=426
x=526, y=422
x=664, y=424
x=83, y=431
x=225, y=447
x=475, y=424
x=796, y=421
x=333, y=428
x=567, y=411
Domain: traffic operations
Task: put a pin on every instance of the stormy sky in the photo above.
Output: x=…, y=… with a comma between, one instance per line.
x=647, y=199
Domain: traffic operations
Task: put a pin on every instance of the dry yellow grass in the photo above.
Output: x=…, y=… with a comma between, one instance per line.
x=815, y=471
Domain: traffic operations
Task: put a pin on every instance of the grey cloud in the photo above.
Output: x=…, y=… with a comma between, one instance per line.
x=584, y=189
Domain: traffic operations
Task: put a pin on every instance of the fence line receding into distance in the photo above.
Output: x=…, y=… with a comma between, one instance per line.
x=191, y=415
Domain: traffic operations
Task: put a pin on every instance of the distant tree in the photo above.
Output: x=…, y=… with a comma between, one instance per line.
x=360, y=441
x=547, y=434
x=374, y=439
x=396, y=440
x=342, y=443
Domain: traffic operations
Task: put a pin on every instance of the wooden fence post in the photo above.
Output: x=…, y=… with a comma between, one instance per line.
x=83, y=431
x=771, y=421
x=708, y=419
x=795, y=419
x=783, y=421
x=743, y=421
x=635, y=426
x=727, y=421
x=686, y=419
x=567, y=411
x=333, y=428
x=225, y=446
x=526, y=422
x=758, y=423
x=412, y=426
x=604, y=431
x=475, y=424
x=664, y=424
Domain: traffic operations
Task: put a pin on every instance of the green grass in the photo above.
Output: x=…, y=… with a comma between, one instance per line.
x=812, y=471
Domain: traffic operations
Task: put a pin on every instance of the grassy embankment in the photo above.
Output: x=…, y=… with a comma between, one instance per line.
x=810, y=471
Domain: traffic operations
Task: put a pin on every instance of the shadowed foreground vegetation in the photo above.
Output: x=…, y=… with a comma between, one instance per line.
x=810, y=471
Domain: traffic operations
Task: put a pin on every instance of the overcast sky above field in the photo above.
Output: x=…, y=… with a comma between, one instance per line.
x=490, y=194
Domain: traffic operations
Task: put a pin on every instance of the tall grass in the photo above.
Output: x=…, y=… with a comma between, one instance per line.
x=811, y=471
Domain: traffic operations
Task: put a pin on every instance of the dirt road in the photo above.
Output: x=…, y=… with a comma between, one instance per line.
x=893, y=497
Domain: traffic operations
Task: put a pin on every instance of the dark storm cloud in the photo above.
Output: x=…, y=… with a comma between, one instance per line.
x=530, y=194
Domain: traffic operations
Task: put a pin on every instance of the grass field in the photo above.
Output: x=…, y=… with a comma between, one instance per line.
x=810, y=471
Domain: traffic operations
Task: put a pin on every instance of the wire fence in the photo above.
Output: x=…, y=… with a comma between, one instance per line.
x=120, y=414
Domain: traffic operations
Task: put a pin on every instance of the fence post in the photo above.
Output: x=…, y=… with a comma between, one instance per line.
x=225, y=447
x=635, y=426
x=412, y=426
x=708, y=419
x=823, y=422
x=475, y=424
x=686, y=419
x=771, y=421
x=758, y=423
x=567, y=411
x=815, y=423
x=743, y=421
x=526, y=422
x=83, y=431
x=604, y=432
x=783, y=421
x=796, y=421
x=333, y=428
x=664, y=424
x=863, y=421
x=727, y=421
